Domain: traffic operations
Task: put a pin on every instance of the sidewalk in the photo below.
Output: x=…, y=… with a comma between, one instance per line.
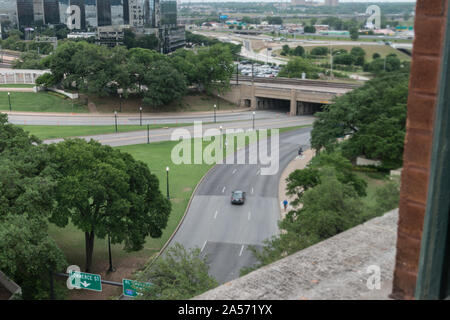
x=162, y=115
x=298, y=163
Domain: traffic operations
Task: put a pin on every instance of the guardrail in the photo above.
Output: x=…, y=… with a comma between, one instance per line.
x=290, y=81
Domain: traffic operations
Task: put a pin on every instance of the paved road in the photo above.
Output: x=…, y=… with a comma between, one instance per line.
x=139, y=137
x=129, y=119
x=224, y=232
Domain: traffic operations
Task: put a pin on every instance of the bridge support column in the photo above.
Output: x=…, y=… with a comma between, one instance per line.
x=293, y=111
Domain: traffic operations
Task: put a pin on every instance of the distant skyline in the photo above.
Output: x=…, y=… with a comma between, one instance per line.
x=284, y=1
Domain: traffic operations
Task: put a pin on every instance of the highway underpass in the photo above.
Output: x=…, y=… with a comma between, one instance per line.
x=293, y=96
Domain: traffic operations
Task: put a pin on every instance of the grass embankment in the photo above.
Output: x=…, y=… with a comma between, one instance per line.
x=54, y=132
x=182, y=181
x=189, y=103
x=39, y=102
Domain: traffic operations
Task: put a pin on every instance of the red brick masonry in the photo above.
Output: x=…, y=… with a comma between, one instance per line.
x=429, y=28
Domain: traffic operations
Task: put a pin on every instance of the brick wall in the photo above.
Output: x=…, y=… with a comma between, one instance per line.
x=423, y=91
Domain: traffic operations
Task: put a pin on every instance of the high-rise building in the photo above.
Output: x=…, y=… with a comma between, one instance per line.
x=126, y=12
x=168, y=12
x=38, y=11
x=104, y=13
x=25, y=13
x=51, y=12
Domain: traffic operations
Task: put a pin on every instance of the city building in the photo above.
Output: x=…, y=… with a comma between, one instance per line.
x=331, y=2
x=51, y=12
x=103, y=13
x=25, y=12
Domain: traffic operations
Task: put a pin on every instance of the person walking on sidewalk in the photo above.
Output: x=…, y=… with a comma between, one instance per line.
x=285, y=204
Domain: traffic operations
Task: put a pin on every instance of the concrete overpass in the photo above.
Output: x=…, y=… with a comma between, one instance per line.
x=296, y=97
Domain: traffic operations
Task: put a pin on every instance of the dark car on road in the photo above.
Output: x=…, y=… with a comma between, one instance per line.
x=237, y=197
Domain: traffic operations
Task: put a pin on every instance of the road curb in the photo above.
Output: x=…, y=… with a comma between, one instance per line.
x=182, y=218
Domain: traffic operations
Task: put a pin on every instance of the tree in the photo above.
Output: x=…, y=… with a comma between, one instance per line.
x=27, y=254
x=299, y=51
x=376, y=56
x=320, y=51
x=300, y=181
x=309, y=29
x=374, y=116
x=286, y=50
x=164, y=85
x=345, y=59
x=327, y=209
x=179, y=274
x=354, y=33
x=296, y=67
x=214, y=68
x=106, y=192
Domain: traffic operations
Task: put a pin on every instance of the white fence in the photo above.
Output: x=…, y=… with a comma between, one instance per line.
x=20, y=76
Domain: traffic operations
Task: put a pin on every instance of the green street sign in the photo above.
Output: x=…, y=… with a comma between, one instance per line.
x=133, y=288
x=87, y=281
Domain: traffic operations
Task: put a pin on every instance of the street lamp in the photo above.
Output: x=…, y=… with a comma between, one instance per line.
x=215, y=107
x=254, y=120
x=167, y=170
x=115, y=119
x=120, y=101
x=111, y=269
x=9, y=101
x=221, y=134
x=140, y=116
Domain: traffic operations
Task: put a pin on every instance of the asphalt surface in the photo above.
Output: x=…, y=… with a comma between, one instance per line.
x=140, y=137
x=224, y=231
x=27, y=118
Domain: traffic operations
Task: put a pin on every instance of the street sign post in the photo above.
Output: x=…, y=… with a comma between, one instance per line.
x=133, y=288
x=87, y=281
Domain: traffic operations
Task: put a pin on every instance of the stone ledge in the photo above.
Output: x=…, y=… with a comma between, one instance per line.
x=333, y=269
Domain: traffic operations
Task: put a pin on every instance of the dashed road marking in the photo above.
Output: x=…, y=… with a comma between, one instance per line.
x=249, y=215
x=204, y=246
x=242, y=249
x=215, y=215
x=223, y=190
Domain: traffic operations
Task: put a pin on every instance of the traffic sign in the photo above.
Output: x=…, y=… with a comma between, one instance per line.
x=132, y=288
x=87, y=281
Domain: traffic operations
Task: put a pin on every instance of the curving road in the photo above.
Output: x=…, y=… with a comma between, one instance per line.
x=224, y=232
x=29, y=118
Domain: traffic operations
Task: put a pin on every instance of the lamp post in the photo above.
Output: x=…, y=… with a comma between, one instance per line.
x=140, y=116
x=215, y=107
x=120, y=102
x=167, y=170
x=9, y=101
x=115, y=119
x=111, y=269
x=148, y=133
x=220, y=128
x=254, y=120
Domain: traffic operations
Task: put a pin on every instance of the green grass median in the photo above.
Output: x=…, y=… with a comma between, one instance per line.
x=39, y=102
x=54, y=132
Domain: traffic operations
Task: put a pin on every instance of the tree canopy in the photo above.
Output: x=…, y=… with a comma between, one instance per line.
x=374, y=116
x=106, y=192
x=179, y=274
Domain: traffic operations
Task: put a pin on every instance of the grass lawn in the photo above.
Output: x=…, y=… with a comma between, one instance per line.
x=190, y=102
x=53, y=132
x=182, y=181
x=374, y=182
x=39, y=102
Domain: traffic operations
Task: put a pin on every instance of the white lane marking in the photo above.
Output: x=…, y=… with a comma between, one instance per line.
x=234, y=171
x=258, y=172
x=252, y=190
x=249, y=215
x=204, y=246
x=242, y=249
x=215, y=215
x=223, y=190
